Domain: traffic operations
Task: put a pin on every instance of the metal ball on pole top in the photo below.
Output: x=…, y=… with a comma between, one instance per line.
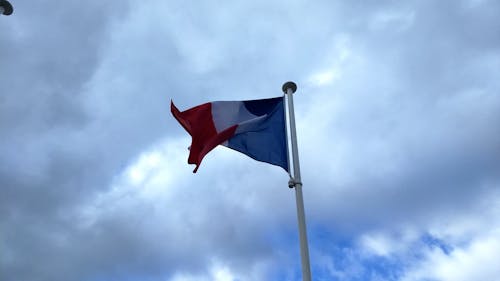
x=289, y=88
x=6, y=8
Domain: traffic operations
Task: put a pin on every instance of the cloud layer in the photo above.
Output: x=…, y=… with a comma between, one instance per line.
x=396, y=109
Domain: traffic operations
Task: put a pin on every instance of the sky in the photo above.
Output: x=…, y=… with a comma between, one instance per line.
x=397, y=112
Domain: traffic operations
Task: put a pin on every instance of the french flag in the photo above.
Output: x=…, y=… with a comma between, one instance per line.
x=256, y=128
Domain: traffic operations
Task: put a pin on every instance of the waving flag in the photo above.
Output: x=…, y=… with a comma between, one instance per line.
x=255, y=128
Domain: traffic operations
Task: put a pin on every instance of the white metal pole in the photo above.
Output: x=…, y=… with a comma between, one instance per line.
x=289, y=88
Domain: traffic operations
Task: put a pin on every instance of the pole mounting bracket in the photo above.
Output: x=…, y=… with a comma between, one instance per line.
x=293, y=183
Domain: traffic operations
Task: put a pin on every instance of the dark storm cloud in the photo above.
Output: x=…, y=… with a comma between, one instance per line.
x=47, y=57
x=49, y=51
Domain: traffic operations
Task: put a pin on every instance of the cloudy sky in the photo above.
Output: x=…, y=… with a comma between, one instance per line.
x=397, y=109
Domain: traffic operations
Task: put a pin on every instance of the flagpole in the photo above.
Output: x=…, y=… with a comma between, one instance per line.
x=289, y=88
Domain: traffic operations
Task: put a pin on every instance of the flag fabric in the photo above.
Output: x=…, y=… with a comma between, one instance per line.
x=255, y=128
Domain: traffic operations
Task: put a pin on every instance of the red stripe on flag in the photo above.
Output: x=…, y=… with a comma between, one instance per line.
x=198, y=122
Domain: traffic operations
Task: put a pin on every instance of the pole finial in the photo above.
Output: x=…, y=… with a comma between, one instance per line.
x=289, y=85
x=6, y=8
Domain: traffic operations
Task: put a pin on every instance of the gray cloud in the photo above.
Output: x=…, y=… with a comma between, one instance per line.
x=48, y=56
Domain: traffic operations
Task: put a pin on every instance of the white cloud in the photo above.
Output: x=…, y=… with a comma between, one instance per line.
x=333, y=63
x=394, y=19
x=325, y=77
x=216, y=273
x=379, y=245
x=476, y=261
x=464, y=245
x=474, y=237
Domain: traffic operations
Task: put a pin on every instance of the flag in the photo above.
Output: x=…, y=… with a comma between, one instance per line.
x=255, y=128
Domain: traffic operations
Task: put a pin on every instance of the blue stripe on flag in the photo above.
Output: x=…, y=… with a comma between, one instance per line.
x=265, y=138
